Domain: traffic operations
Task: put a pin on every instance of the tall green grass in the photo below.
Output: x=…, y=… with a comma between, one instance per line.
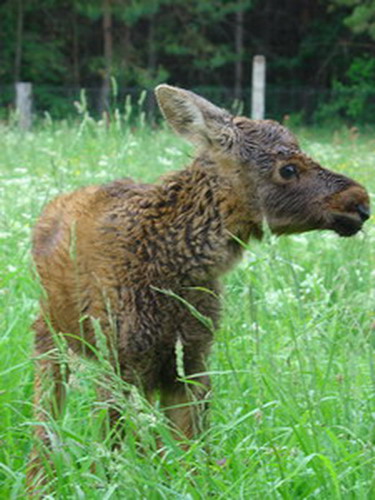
x=293, y=404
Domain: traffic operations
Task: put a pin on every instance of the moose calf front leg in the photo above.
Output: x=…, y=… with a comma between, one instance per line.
x=186, y=405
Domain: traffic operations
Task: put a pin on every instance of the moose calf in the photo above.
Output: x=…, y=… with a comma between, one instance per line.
x=108, y=252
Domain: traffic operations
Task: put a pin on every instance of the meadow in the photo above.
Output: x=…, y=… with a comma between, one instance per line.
x=293, y=403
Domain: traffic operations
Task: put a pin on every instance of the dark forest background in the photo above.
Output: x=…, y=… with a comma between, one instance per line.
x=320, y=53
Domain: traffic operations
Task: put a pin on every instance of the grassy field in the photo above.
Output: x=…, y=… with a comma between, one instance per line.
x=293, y=406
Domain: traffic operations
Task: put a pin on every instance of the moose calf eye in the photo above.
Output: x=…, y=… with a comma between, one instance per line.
x=288, y=171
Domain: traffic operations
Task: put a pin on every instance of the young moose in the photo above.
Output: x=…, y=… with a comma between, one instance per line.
x=107, y=252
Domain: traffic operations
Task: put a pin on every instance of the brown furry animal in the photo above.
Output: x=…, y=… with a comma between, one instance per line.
x=107, y=252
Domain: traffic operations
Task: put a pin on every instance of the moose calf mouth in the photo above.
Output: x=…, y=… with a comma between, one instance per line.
x=346, y=225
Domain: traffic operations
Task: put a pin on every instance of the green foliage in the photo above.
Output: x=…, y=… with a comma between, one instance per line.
x=310, y=44
x=353, y=99
x=293, y=371
x=40, y=55
x=362, y=16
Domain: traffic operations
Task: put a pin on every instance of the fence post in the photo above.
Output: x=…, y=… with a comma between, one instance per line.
x=24, y=101
x=258, y=88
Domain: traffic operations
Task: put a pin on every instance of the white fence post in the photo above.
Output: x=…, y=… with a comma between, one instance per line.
x=24, y=102
x=258, y=89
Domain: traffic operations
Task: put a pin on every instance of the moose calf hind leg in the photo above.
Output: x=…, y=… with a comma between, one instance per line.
x=51, y=377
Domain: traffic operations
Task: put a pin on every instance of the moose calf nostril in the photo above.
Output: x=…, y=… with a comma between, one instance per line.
x=364, y=211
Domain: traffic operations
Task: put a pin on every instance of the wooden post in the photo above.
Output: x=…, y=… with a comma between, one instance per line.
x=258, y=88
x=24, y=104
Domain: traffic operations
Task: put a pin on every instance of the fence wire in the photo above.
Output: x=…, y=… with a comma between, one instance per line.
x=303, y=104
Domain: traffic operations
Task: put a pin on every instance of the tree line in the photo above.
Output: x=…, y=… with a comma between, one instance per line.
x=325, y=44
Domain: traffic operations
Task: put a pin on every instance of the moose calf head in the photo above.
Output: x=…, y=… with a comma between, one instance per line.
x=287, y=188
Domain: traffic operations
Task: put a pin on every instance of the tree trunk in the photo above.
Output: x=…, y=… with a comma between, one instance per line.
x=76, y=71
x=108, y=49
x=19, y=41
x=151, y=56
x=151, y=67
x=238, y=42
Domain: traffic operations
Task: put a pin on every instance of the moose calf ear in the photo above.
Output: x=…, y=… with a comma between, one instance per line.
x=192, y=116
